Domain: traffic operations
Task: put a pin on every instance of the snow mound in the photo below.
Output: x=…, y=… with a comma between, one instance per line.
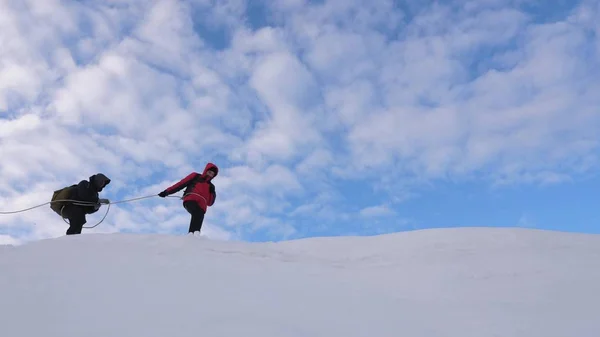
x=474, y=282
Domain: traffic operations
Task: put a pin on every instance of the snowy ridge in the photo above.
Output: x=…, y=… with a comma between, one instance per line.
x=463, y=282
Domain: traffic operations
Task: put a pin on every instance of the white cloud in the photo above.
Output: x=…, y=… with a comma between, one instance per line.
x=315, y=164
x=8, y=240
x=286, y=87
x=526, y=221
x=352, y=102
x=377, y=211
x=525, y=120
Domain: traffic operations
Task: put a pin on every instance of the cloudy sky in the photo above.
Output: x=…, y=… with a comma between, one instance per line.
x=337, y=117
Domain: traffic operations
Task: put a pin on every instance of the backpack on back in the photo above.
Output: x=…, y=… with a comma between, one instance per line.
x=58, y=197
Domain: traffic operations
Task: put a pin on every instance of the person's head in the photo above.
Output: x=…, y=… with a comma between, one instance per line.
x=211, y=170
x=99, y=181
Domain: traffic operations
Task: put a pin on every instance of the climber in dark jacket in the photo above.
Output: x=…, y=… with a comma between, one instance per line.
x=86, y=192
x=199, y=194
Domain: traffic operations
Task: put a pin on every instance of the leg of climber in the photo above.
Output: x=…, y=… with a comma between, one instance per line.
x=197, y=216
x=76, y=217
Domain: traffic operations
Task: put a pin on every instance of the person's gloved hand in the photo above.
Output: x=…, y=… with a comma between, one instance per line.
x=162, y=194
x=104, y=201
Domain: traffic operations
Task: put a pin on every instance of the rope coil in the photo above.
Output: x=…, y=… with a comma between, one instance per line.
x=85, y=203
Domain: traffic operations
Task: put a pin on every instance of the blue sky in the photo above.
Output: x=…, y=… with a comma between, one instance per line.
x=339, y=117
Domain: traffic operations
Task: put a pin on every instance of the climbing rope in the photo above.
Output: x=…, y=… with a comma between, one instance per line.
x=86, y=203
x=104, y=217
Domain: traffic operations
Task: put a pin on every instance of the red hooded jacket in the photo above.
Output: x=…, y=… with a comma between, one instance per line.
x=198, y=187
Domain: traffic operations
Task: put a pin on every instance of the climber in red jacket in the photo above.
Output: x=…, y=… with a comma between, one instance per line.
x=199, y=194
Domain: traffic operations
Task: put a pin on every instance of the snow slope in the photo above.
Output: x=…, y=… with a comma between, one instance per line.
x=474, y=282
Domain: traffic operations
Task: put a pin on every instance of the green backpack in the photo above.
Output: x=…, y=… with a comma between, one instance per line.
x=58, y=198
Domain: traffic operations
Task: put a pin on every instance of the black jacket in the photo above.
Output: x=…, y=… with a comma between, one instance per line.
x=87, y=190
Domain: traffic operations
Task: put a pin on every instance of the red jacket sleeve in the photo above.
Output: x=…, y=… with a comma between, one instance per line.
x=181, y=184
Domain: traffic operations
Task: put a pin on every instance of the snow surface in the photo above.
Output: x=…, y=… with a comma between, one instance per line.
x=475, y=282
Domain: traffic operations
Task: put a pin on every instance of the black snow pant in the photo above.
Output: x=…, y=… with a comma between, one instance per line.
x=76, y=217
x=197, y=215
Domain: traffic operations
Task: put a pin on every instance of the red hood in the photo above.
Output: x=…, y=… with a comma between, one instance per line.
x=211, y=166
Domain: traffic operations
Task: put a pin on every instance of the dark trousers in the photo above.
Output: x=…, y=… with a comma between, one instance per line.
x=76, y=217
x=197, y=215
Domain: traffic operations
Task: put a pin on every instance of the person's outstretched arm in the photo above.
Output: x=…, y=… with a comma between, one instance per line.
x=179, y=185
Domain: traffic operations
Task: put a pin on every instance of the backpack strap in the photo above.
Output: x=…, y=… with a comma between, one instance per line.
x=193, y=183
